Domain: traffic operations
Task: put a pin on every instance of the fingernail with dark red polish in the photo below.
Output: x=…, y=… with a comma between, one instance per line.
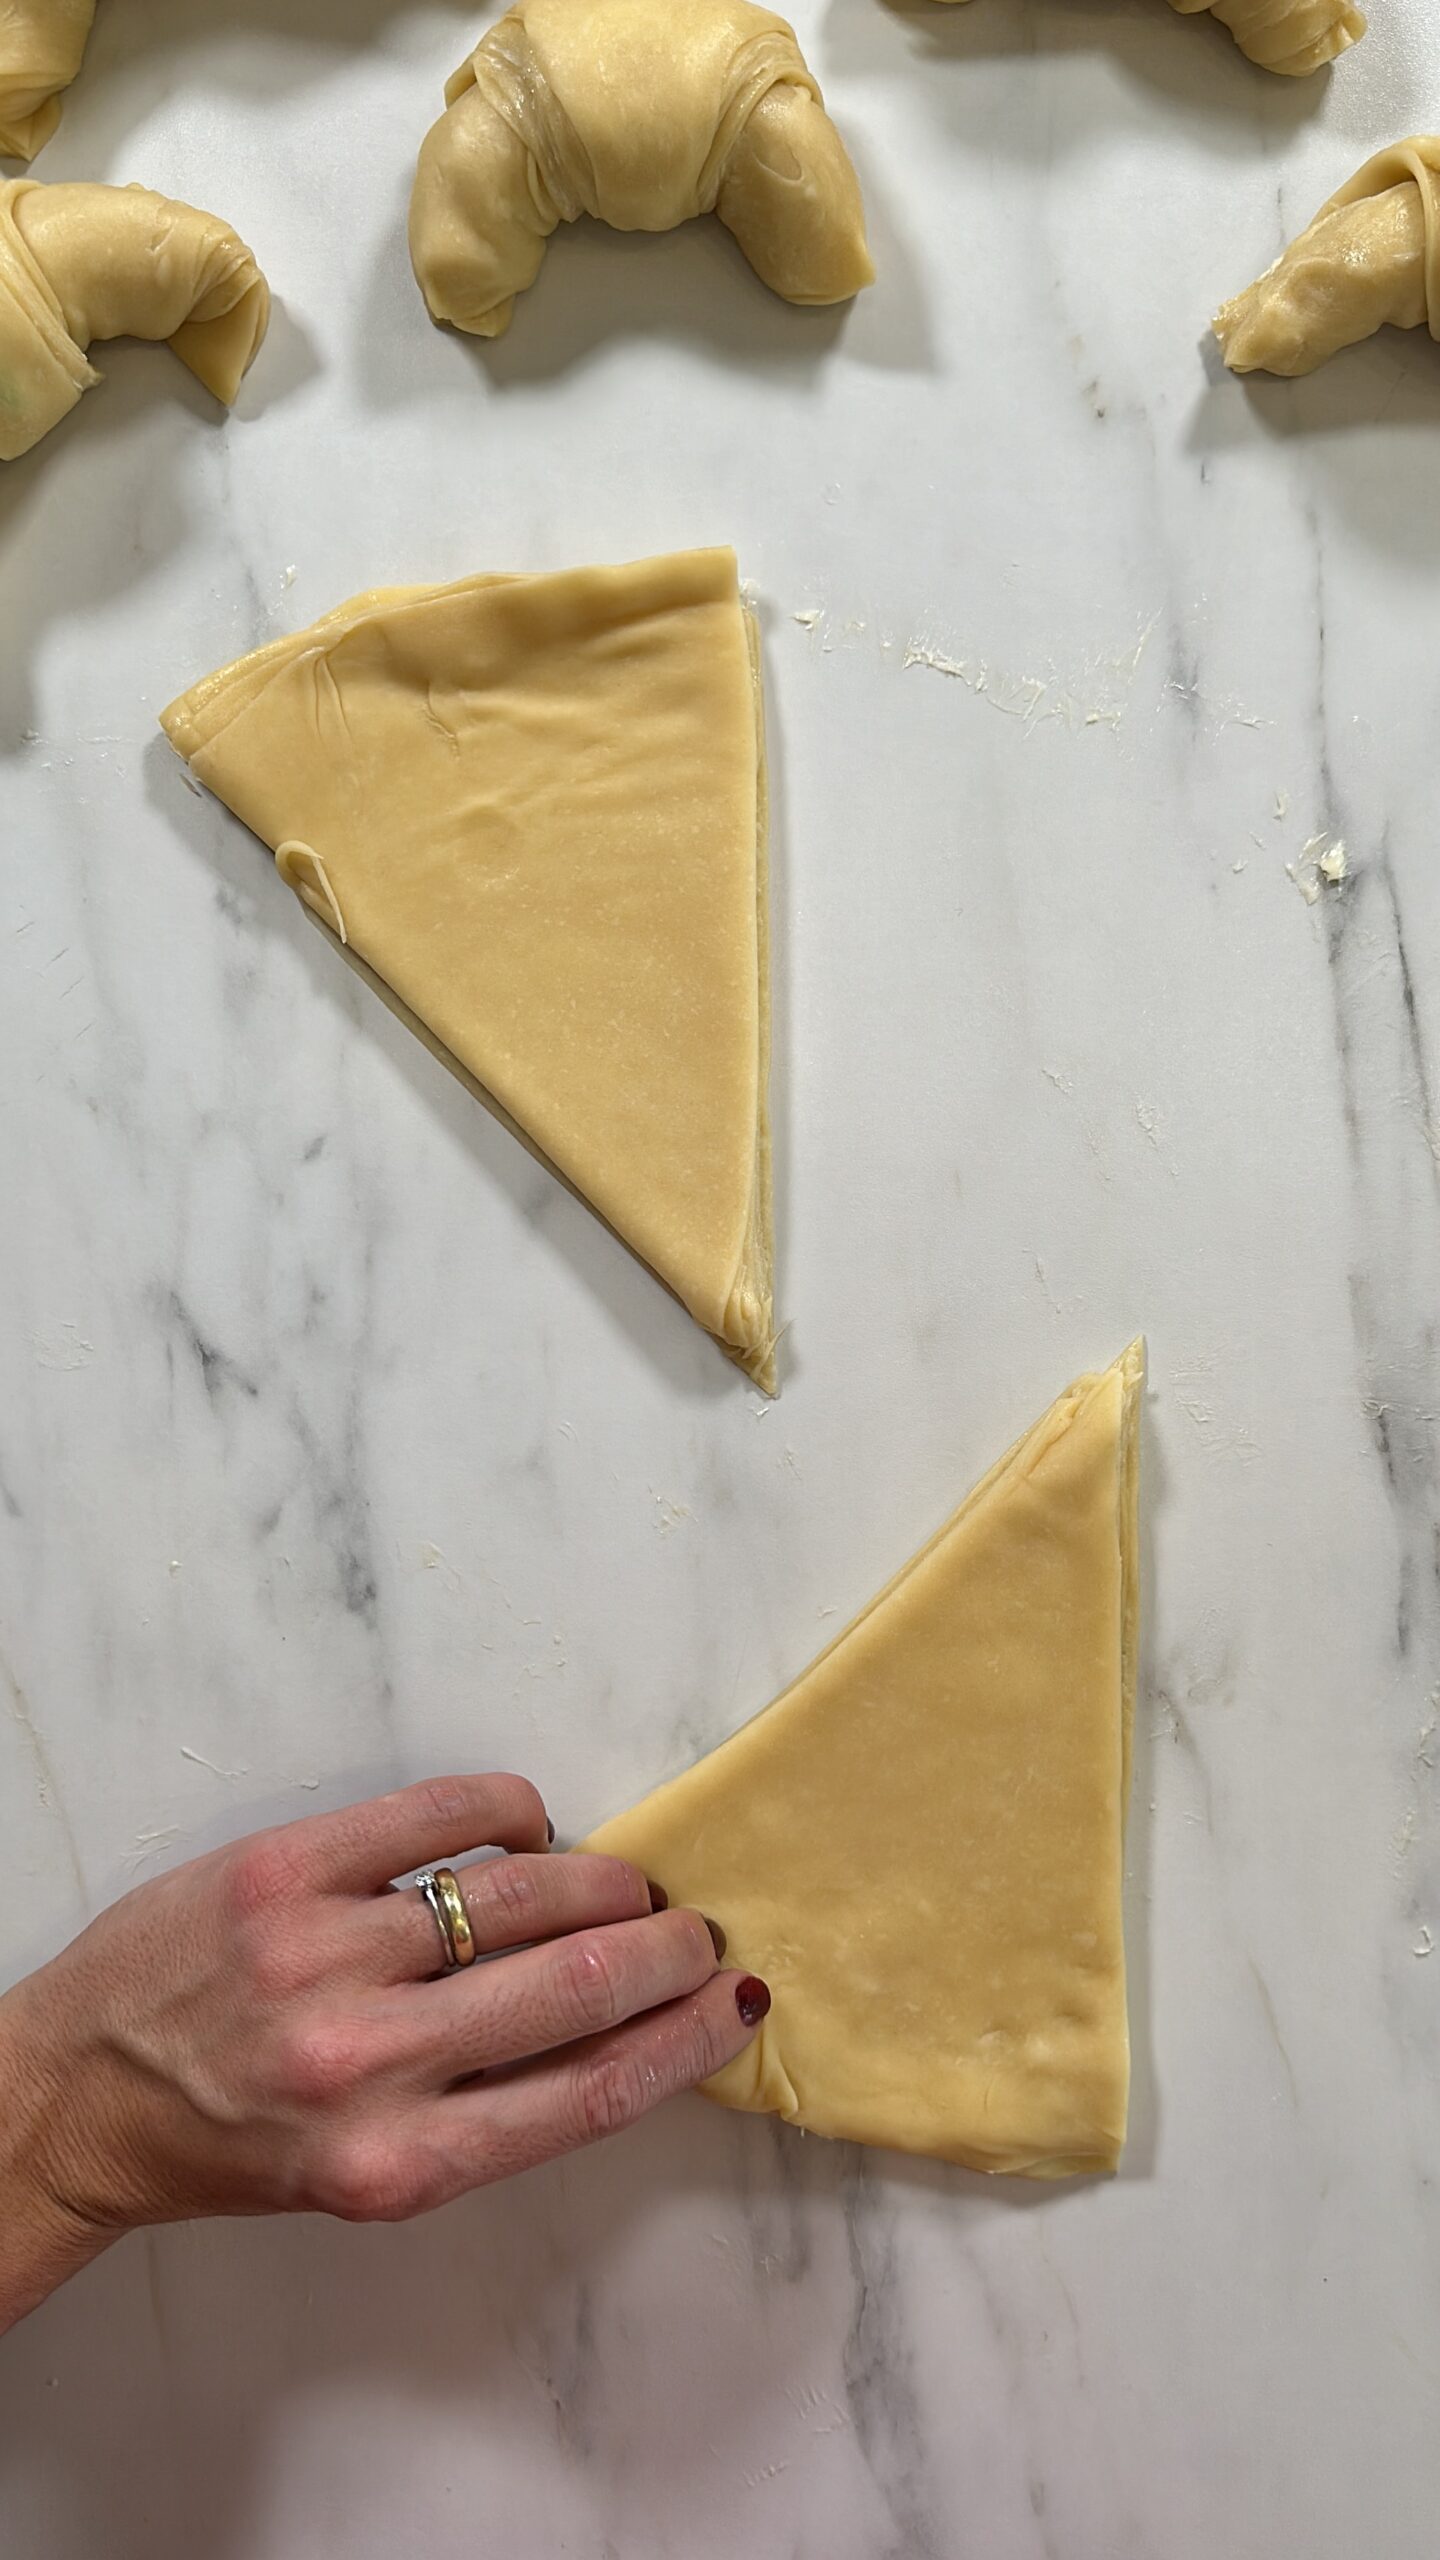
x=752, y=1999
x=717, y=1936
x=659, y=1898
x=550, y=1830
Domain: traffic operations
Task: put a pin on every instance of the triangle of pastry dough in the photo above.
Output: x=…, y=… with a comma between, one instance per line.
x=919, y=1845
x=534, y=808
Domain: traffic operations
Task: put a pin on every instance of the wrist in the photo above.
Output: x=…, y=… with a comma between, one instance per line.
x=46, y=2232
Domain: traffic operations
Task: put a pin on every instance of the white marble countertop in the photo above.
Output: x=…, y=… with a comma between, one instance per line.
x=338, y=1445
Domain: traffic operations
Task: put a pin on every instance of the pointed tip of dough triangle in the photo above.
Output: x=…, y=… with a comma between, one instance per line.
x=760, y=1367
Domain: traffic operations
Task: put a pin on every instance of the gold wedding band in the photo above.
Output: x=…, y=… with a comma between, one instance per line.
x=457, y=1918
x=438, y=1888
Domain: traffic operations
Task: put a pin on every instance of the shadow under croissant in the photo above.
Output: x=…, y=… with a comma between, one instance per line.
x=1387, y=387
x=49, y=573
x=601, y=289
x=51, y=570
x=1193, y=64
x=146, y=39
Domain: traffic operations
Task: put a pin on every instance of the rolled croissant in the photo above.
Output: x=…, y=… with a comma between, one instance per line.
x=1371, y=255
x=79, y=263
x=641, y=113
x=42, y=44
x=1292, y=36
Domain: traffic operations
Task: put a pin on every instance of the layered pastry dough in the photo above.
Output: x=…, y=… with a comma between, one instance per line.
x=42, y=45
x=1294, y=36
x=79, y=263
x=641, y=113
x=919, y=1845
x=1371, y=255
x=534, y=807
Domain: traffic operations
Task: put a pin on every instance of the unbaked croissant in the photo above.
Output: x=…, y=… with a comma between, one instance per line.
x=1284, y=35
x=1293, y=36
x=84, y=262
x=42, y=44
x=641, y=113
x=1371, y=254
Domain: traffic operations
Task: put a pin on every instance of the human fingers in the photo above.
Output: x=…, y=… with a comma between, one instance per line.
x=565, y=2100
x=424, y=2151
x=511, y=1902
x=360, y=1848
x=525, y=2004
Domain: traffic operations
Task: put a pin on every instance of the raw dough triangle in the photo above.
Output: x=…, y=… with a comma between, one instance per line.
x=534, y=808
x=919, y=1845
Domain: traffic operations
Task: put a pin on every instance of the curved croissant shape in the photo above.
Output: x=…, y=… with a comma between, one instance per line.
x=1293, y=36
x=84, y=262
x=1371, y=254
x=42, y=45
x=641, y=113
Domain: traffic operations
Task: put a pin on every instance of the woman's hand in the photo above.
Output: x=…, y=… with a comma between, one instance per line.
x=269, y=2030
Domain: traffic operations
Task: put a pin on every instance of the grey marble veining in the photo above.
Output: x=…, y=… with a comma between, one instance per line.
x=337, y=1444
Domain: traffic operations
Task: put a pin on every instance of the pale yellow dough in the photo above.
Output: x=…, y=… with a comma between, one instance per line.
x=1371, y=255
x=534, y=807
x=641, y=113
x=1294, y=36
x=919, y=1845
x=42, y=45
x=79, y=263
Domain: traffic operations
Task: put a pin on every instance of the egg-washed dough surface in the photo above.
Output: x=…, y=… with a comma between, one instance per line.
x=919, y=1845
x=534, y=807
x=42, y=45
x=1371, y=256
x=80, y=263
x=641, y=113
